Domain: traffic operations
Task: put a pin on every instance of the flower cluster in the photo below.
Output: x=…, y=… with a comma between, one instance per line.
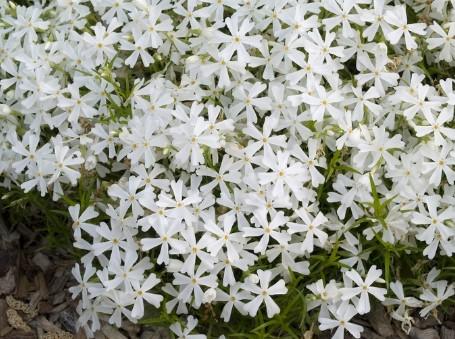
x=215, y=152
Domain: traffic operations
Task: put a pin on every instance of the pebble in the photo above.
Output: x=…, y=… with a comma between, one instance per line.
x=42, y=261
x=380, y=321
x=159, y=333
x=428, y=333
x=99, y=335
x=369, y=334
x=8, y=282
x=426, y=323
x=3, y=318
x=447, y=333
x=68, y=319
x=112, y=333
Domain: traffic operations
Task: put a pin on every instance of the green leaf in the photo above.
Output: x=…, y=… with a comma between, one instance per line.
x=377, y=206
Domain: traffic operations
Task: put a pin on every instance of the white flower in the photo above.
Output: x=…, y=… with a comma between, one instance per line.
x=322, y=48
x=166, y=238
x=189, y=139
x=376, y=17
x=84, y=284
x=101, y=44
x=263, y=294
x=194, y=249
x=191, y=285
x=267, y=230
x=143, y=137
x=141, y=293
x=77, y=105
x=27, y=22
x=418, y=102
x=437, y=232
x=238, y=40
x=264, y=140
x=63, y=160
x=32, y=154
x=443, y=292
x=283, y=174
x=128, y=274
x=139, y=48
x=343, y=313
x=364, y=100
x=377, y=71
x=130, y=196
x=311, y=161
x=443, y=40
x=184, y=332
x=436, y=126
x=311, y=227
x=80, y=220
x=379, y=148
x=364, y=288
x=247, y=101
x=401, y=300
x=228, y=173
x=323, y=102
x=440, y=159
x=179, y=206
x=325, y=295
x=232, y=299
x=232, y=241
x=156, y=24
x=397, y=17
x=343, y=16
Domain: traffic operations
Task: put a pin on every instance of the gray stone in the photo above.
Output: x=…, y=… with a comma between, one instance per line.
x=380, y=321
x=429, y=333
x=427, y=322
x=157, y=333
x=42, y=261
x=8, y=282
x=68, y=318
x=369, y=334
x=447, y=333
x=99, y=335
x=112, y=333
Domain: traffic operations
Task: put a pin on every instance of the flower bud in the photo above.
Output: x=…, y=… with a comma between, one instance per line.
x=209, y=295
x=5, y=110
x=252, y=278
x=90, y=162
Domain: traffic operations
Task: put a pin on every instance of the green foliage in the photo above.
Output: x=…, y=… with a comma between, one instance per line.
x=41, y=215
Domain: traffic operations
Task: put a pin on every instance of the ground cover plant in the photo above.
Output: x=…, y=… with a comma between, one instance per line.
x=255, y=168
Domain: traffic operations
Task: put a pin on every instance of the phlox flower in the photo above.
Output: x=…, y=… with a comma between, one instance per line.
x=342, y=314
x=263, y=294
x=364, y=288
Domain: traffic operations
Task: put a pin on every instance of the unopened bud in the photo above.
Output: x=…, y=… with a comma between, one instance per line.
x=252, y=278
x=209, y=295
x=5, y=110
x=90, y=162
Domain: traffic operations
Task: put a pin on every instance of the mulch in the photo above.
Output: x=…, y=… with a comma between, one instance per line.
x=34, y=297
